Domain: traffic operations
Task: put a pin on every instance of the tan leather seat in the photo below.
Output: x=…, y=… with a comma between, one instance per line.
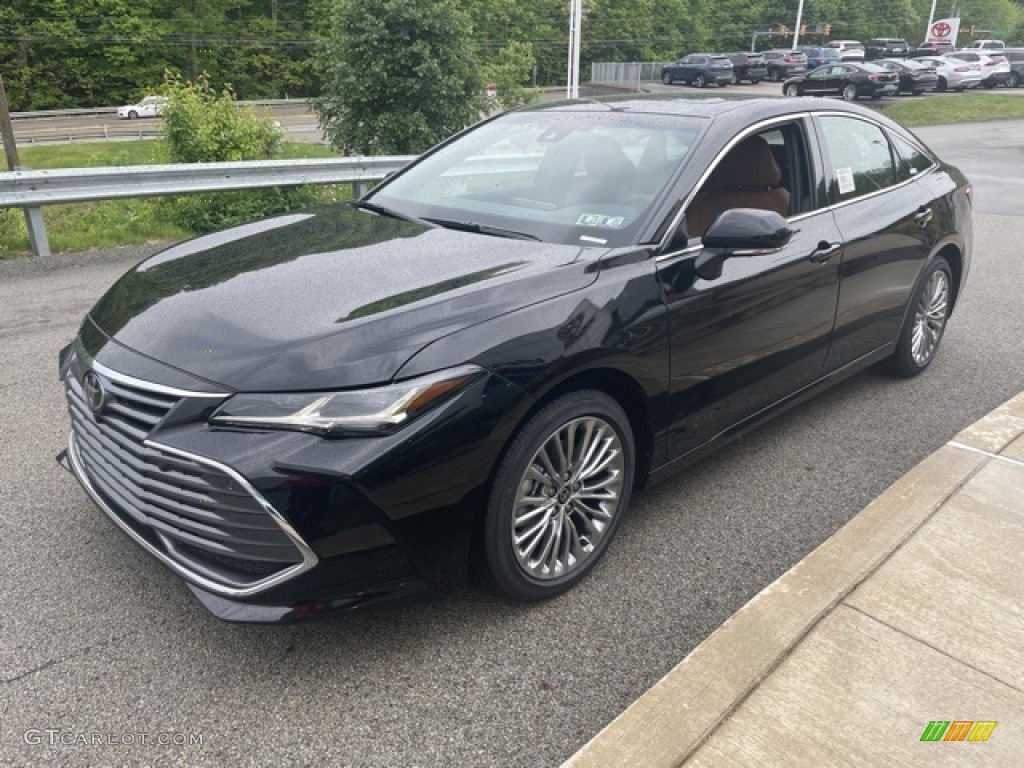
x=747, y=177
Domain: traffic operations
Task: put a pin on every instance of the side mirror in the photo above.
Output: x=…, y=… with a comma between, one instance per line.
x=741, y=232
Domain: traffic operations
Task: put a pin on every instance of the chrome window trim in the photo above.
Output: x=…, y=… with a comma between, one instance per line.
x=309, y=558
x=160, y=389
x=794, y=116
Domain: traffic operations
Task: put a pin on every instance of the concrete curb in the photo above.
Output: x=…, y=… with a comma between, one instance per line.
x=666, y=725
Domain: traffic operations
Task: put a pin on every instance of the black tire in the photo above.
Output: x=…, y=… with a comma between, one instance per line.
x=774, y=75
x=792, y=90
x=941, y=85
x=989, y=84
x=666, y=78
x=754, y=82
x=916, y=93
x=520, y=474
x=849, y=92
x=1013, y=81
x=700, y=81
x=927, y=315
x=876, y=96
x=133, y=115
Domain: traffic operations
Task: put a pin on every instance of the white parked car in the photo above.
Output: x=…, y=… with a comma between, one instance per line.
x=995, y=68
x=986, y=45
x=954, y=74
x=148, y=107
x=848, y=50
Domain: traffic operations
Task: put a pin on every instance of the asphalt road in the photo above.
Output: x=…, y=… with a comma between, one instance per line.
x=97, y=638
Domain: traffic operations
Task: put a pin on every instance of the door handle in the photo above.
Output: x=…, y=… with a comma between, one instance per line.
x=825, y=251
x=923, y=216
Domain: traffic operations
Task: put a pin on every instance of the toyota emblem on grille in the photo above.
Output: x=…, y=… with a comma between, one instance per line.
x=95, y=394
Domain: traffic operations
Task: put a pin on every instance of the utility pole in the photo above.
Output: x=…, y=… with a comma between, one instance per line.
x=33, y=216
x=799, y=21
x=572, y=88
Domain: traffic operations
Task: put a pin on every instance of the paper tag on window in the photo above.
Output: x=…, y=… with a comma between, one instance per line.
x=845, y=178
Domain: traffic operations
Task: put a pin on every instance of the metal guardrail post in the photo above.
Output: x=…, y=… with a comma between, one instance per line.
x=37, y=238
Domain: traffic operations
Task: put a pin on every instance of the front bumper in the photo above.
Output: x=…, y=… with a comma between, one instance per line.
x=369, y=519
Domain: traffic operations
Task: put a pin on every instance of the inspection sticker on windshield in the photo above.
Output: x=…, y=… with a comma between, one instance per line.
x=597, y=220
x=845, y=178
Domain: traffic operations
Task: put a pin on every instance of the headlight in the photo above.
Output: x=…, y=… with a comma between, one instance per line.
x=374, y=411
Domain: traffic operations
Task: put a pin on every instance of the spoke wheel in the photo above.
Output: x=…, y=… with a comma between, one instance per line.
x=922, y=332
x=792, y=90
x=699, y=81
x=558, y=496
x=667, y=78
x=850, y=92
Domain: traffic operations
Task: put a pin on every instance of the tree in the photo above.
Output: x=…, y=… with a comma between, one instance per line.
x=396, y=77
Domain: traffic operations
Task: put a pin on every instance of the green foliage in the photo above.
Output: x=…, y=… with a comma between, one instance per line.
x=510, y=70
x=203, y=126
x=397, y=77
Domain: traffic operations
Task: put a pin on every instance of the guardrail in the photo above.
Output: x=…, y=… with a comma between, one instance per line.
x=85, y=112
x=29, y=190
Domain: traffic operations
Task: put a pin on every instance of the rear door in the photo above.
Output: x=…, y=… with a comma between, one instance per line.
x=888, y=227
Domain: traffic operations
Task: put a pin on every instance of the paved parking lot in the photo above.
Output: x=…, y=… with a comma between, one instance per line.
x=100, y=643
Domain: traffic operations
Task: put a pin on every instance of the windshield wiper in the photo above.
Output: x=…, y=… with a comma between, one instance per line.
x=381, y=210
x=481, y=229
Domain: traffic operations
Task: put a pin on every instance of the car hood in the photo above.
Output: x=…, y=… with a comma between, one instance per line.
x=328, y=298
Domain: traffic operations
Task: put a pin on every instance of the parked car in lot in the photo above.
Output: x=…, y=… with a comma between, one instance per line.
x=817, y=56
x=953, y=74
x=747, y=66
x=930, y=48
x=150, y=106
x=488, y=353
x=985, y=45
x=848, y=50
x=886, y=48
x=699, y=69
x=995, y=69
x=915, y=77
x=849, y=79
x=782, y=63
x=1015, y=58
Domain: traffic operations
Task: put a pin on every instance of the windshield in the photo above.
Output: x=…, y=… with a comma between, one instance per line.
x=558, y=176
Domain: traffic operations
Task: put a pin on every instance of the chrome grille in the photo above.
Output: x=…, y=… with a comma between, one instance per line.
x=190, y=511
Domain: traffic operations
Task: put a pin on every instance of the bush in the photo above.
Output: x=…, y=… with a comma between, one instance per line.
x=203, y=126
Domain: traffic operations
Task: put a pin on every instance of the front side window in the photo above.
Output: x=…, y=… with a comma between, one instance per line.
x=859, y=157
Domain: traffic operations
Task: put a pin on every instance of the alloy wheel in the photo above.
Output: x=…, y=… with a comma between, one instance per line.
x=930, y=318
x=567, y=498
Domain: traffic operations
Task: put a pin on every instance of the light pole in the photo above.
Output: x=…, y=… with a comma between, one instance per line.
x=799, y=21
x=572, y=88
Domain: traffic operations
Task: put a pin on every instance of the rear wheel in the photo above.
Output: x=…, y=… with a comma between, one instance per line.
x=1013, y=81
x=920, y=337
x=941, y=85
x=666, y=78
x=699, y=81
x=560, y=492
x=792, y=89
x=735, y=79
x=774, y=75
x=850, y=92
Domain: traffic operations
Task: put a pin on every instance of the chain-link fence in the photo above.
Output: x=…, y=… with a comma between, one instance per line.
x=626, y=74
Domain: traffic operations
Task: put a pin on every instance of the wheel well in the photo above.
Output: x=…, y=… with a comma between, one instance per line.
x=956, y=263
x=628, y=394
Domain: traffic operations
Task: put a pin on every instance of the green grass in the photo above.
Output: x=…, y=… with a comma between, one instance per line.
x=955, y=108
x=107, y=223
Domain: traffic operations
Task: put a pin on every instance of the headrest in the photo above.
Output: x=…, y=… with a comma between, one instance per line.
x=749, y=164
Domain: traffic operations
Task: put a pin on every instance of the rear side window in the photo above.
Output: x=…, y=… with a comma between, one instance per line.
x=910, y=160
x=859, y=158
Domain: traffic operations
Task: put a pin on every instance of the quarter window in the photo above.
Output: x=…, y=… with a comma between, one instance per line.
x=860, y=160
x=910, y=160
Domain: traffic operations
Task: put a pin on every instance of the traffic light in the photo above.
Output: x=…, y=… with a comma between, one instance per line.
x=803, y=29
x=828, y=29
x=784, y=30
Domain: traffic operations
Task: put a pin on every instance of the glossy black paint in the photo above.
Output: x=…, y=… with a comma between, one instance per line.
x=336, y=298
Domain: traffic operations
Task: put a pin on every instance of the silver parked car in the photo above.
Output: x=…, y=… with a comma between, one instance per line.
x=954, y=74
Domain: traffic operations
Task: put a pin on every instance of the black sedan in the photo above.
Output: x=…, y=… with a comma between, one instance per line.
x=747, y=66
x=480, y=361
x=915, y=76
x=849, y=79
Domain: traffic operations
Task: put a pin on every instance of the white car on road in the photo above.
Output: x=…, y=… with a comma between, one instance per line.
x=148, y=107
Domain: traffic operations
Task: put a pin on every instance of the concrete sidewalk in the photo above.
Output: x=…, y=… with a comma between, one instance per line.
x=913, y=612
